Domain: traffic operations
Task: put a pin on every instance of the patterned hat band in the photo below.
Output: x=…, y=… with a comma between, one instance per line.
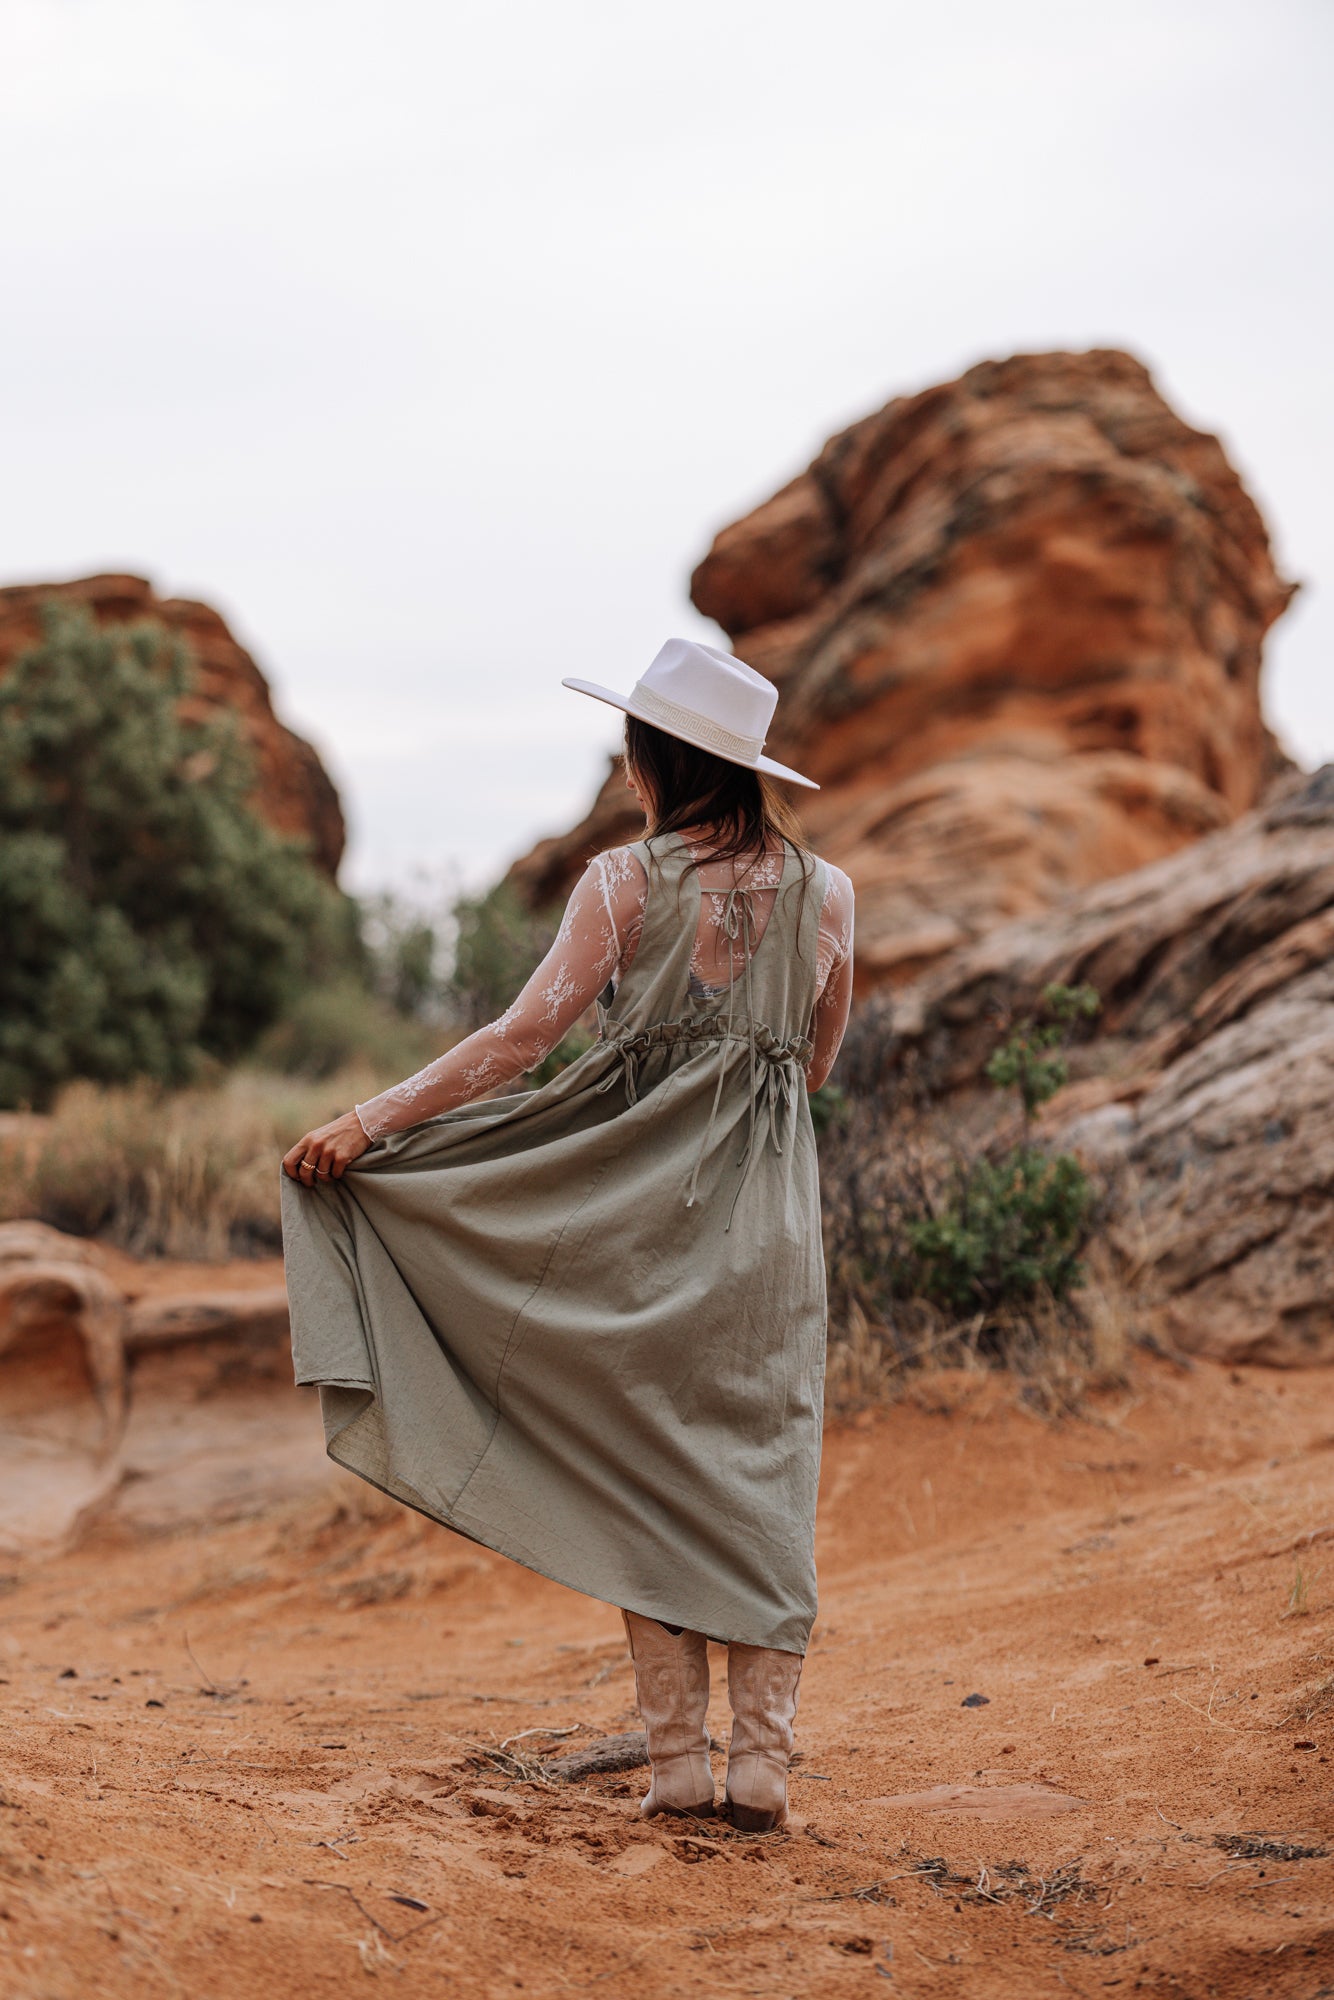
x=650, y=706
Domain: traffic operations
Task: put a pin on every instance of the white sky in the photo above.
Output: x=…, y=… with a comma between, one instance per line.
x=431, y=340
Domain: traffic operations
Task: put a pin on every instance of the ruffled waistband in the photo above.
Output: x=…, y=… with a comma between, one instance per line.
x=774, y=1062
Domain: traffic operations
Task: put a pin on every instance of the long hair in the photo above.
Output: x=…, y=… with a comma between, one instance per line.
x=684, y=786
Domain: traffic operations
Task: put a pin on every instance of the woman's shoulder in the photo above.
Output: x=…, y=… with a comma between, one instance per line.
x=618, y=868
x=838, y=886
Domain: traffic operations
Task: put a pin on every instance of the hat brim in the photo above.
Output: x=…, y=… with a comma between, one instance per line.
x=768, y=765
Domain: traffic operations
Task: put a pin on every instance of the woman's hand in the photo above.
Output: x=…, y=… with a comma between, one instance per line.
x=324, y=1153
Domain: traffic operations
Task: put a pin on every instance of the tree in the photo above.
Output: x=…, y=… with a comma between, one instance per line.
x=147, y=914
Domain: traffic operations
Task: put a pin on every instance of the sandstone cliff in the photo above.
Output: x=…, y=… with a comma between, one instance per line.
x=1206, y=1093
x=1016, y=625
x=294, y=791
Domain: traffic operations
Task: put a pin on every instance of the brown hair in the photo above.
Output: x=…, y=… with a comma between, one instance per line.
x=685, y=786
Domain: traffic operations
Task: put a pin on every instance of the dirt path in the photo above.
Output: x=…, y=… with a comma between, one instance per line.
x=251, y=1725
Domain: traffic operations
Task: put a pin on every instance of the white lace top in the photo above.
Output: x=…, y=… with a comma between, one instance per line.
x=595, y=944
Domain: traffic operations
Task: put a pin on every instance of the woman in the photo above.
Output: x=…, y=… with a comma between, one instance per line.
x=585, y=1324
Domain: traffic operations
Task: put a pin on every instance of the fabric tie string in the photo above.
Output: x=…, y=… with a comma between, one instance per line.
x=773, y=1080
x=773, y=1075
x=629, y=1052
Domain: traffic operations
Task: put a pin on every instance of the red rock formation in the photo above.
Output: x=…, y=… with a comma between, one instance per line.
x=294, y=792
x=1016, y=625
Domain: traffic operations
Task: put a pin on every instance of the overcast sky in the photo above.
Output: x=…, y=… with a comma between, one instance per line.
x=431, y=340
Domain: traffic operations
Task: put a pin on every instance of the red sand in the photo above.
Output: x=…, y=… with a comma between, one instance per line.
x=262, y=1775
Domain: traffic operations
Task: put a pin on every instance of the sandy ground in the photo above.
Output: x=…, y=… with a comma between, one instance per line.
x=255, y=1720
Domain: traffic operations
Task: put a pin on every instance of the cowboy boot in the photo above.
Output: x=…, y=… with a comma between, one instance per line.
x=672, y=1689
x=762, y=1691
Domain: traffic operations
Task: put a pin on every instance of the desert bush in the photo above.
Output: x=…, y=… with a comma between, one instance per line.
x=1031, y=1059
x=498, y=944
x=950, y=1241
x=829, y=1107
x=192, y=1171
x=408, y=943
x=1007, y=1230
x=340, y=1025
x=1009, y=1227
x=150, y=916
x=453, y=967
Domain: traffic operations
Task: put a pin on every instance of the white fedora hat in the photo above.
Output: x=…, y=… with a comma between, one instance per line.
x=707, y=698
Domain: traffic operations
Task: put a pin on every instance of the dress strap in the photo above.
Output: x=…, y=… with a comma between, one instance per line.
x=738, y=921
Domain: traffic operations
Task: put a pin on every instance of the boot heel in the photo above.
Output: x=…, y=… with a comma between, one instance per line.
x=751, y=1819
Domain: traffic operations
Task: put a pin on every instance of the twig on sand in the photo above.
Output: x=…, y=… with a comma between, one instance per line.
x=373, y=1955
x=1214, y=1721
x=394, y=1937
x=1231, y=1868
x=983, y=1887
x=865, y=1892
x=511, y=1764
x=211, y=1685
x=571, y=1729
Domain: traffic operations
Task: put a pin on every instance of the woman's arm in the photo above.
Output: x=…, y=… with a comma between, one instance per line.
x=835, y=965
x=586, y=952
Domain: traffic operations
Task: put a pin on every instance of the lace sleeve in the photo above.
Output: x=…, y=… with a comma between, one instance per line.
x=834, y=970
x=597, y=931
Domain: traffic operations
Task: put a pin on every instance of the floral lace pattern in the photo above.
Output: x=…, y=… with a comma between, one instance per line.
x=596, y=943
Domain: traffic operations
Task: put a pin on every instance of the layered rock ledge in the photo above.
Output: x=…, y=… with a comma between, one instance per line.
x=1206, y=1093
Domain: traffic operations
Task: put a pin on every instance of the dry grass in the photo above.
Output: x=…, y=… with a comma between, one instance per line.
x=1313, y=1703
x=190, y=1173
x=1059, y=1354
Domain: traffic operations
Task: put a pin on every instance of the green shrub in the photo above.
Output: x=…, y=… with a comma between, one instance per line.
x=498, y=945
x=149, y=916
x=953, y=1239
x=1010, y=1228
x=407, y=946
x=340, y=1025
x=1029, y=1060
x=829, y=1108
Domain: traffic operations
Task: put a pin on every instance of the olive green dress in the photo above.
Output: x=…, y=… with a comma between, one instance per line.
x=584, y=1325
